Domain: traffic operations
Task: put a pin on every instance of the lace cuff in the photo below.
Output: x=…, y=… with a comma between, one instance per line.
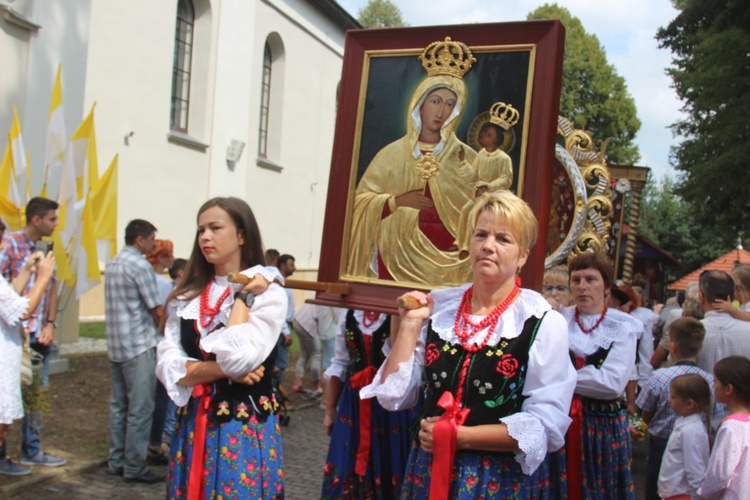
x=14, y=309
x=532, y=442
x=171, y=372
x=392, y=393
x=335, y=371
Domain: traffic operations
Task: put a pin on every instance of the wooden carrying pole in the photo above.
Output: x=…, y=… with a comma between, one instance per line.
x=316, y=286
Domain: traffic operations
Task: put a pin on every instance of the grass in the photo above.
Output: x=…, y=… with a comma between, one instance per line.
x=92, y=330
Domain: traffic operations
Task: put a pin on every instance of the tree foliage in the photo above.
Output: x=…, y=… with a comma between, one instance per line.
x=380, y=14
x=710, y=42
x=670, y=221
x=593, y=96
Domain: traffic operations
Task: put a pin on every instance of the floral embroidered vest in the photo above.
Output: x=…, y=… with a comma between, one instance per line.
x=365, y=350
x=599, y=407
x=231, y=400
x=495, y=379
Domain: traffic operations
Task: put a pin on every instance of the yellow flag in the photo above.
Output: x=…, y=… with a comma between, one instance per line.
x=62, y=260
x=11, y=200
x=83, y=143
x=57, y=138
x=104, y=207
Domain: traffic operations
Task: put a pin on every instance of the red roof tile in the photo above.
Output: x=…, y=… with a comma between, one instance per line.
x=724, y=263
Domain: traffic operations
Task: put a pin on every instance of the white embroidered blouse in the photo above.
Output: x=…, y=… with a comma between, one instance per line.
x=239, y=349
x=541, y=424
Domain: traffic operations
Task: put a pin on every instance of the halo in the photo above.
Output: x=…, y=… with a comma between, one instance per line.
x=472, y=136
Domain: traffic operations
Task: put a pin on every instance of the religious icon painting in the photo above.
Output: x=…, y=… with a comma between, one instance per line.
x=429, y=119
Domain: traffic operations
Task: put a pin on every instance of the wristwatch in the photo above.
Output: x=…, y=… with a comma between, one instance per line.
x=247, y=297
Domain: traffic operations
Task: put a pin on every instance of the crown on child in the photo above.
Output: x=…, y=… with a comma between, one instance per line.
x=504, y=115
x=447, y=58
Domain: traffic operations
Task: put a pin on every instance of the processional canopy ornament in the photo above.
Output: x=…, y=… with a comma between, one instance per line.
x=447, y=58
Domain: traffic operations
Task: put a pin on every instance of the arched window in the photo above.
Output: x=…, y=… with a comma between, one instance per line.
x=183, y=52
x=265, y=101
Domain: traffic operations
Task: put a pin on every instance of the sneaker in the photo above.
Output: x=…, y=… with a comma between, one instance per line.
x=44, y=458
x=8, y=468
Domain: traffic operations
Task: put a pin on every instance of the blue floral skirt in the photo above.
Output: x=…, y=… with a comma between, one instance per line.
x=242, y=459
x=390, y=443
x=478, y=475
x=606, y=457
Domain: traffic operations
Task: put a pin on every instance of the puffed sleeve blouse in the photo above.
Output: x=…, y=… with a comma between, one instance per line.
x=340, y=362
x=618, y=332
x=238, y=349
x=541, y=424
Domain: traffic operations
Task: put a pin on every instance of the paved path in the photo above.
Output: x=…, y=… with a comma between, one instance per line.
x=305, y=446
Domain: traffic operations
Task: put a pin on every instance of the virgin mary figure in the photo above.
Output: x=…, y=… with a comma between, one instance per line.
x=408, y=203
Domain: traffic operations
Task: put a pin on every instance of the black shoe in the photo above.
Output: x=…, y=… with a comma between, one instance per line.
x=149, y=478
x=115, y=472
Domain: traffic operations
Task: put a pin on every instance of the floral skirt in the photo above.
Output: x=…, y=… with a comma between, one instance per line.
x=478, y=475
x=390, y=442
x=606, y=457
x=242, y=459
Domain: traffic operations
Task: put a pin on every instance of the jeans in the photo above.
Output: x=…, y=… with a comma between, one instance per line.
x=282, y=360
x=160, y=414
x=656, y=448
x=170, y=420
x=328, y=346
x=31, y=427
x=131, y=408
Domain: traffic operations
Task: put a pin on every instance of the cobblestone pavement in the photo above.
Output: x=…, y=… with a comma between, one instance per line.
x=305, y=446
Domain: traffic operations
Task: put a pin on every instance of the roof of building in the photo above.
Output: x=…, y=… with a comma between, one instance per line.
x=724, y=263
x=647, y=249
x=337, y=13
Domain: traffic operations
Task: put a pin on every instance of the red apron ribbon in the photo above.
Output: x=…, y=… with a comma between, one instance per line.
x=197, y=479
x=574, y=443
x=444, y=435
x=359, y=380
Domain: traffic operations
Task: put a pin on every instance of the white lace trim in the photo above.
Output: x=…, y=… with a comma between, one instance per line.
x=393, y=388
x=531, y=437
x=369, y=330
x=616, y=327
x=191, y=309
x=529, y=303
x=228, y=341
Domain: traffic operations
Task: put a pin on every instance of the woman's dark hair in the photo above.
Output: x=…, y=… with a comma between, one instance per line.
x=199, y=272
x=735, y=371
x=590, y=260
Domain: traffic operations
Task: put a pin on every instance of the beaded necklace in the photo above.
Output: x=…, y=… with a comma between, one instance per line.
x=467, y=328
x=369, y=318
x=596, y=325
x=207, y=313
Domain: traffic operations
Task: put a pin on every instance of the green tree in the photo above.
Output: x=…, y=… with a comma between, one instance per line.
x=593, y=96
x=710, y=43
x=380, y=14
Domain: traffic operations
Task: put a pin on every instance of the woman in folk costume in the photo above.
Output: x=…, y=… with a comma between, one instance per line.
x=369, y=445
x=602, y=347
x=216, y=362
x=486, y=356
x=408, y=203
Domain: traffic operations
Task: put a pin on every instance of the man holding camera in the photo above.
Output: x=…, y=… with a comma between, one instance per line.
x=41, y=220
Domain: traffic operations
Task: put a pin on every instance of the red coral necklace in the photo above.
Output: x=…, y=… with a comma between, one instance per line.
x=369, y=318
x=467, y=328
x=207, y=313
x=596, y=325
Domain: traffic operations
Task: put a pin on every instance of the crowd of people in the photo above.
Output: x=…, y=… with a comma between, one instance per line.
x=483, y=390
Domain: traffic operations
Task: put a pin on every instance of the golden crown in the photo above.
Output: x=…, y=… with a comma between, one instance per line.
x=447, y=58
x=504, y=115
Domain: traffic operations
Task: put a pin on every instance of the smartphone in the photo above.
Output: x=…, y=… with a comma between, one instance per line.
x=44, y=247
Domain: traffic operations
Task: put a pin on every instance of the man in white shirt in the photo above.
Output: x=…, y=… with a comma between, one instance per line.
x=725, y=336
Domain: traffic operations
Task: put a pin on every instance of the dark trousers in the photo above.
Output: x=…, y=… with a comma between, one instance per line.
x=656, y=448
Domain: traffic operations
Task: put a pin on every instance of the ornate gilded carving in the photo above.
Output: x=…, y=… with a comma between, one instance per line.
x=591, y=226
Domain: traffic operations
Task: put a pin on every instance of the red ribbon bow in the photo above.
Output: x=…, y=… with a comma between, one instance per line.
x=197, y=479
x=359, y=380
x=574, y=443
x=444, y=435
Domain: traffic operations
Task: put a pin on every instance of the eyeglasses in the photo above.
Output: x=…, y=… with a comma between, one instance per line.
x=558, y=288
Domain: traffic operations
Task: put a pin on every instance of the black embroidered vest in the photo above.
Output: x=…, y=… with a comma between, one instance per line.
x=599, y=407
x=495, y=378
x=360, y=354
x=232, y=400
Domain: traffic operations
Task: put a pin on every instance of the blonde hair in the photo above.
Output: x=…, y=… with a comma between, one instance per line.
x=741, y=277
x=560, y=271
x=513, y=210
